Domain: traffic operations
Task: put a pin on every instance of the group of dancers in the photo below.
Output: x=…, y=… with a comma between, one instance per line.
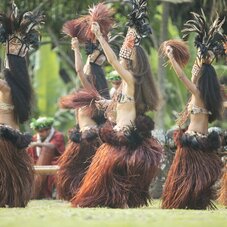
x=111, y=157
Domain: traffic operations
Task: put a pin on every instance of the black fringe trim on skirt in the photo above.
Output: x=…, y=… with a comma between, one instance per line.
x=194, y=171
x=122, y=168
x=20, y=140
x=75, y=161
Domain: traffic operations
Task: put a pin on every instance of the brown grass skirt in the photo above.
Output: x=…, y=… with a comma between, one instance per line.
x=195, y=169
x=119, y=175
x=73, y=165
x=16, y=175
x=222, y=199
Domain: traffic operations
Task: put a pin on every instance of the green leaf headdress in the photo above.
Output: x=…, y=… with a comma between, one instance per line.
x=41, y=123
x=113, y=76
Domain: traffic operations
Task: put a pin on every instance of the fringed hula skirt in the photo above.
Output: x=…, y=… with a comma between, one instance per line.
x=222, y=199
x=122, y=168
x=195, y=169
x=75, y=161
x=16, y=172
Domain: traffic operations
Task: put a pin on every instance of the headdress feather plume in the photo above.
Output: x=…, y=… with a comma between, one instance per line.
x=23, y=26
x=208, y=37
x=138, y=18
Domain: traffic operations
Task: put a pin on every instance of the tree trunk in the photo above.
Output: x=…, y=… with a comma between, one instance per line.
x=161, y=70
x=156, y=188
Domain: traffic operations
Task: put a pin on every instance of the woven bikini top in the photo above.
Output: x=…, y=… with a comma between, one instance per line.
x=193, y=109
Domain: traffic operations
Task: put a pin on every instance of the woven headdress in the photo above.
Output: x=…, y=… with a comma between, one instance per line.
x=209, y=37
x=81, y=27
x=20, y=31
x=138, y=27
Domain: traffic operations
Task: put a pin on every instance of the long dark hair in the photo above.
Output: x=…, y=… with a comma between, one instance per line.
x=99, y=80
x=21, y=90
x=210, y=91
x=146, y=93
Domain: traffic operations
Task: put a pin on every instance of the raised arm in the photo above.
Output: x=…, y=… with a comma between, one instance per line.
x=79, y=63
x=180, y=73
x=111, y=56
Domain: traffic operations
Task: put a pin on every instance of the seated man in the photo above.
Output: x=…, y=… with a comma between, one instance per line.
x=47, y=146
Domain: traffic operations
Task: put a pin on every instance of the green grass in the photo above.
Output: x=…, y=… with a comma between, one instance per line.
x=54, y=213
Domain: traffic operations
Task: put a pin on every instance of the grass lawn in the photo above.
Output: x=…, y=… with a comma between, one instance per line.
x=54, y=213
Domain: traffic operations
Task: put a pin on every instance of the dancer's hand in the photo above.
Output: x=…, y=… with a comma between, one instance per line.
x=169, y=51
x=95, y=28
x=74, y=43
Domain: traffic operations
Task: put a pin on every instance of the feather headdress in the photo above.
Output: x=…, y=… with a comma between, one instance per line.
x=20, y=29
x=138, y=28
x=81, y=27
x=208, y=38
x=138, y=18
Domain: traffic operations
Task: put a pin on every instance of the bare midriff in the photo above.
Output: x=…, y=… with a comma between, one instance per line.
x=7, y=114
x=198, y=123
x=84, y=119
x=126, y=114
x=8, y=119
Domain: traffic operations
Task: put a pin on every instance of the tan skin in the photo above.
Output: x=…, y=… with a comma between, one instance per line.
x=225, y=104
x=198, y=122
x=126, y=112
x=115, y=85
x=7, y=116
x=84, y=120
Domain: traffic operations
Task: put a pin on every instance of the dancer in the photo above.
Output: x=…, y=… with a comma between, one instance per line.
x=16, y=175
x=46, y=148
x=222, y=198
x=124, y=166
x=196, y=166
x=83, y=139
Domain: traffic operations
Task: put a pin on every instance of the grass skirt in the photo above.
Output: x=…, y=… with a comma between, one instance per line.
x=75, y=161
x=195, y=169
x=16, y=173
x=122, y=168
x=222, y=199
